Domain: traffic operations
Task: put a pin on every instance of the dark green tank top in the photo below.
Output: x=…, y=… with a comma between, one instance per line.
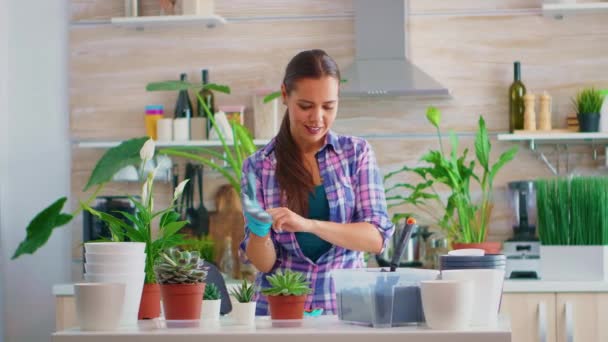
x=318, y=209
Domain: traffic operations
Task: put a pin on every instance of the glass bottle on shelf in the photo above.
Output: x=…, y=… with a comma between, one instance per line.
x=517, y=90
x=208, y=97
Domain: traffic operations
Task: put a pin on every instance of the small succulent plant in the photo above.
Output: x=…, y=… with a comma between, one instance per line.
x=243, y=293
x=211, y=292
x=180, y=267
x=287, y=283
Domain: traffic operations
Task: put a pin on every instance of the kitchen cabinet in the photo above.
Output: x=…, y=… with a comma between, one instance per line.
x=532, y=316
x=557, y=317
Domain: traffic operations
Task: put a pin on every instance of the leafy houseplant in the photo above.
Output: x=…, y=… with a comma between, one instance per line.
x=211, y=303
x=243, y=311
x=287, y=294
x=181, y=276
x=588, y=103
x=573, y=228
x=462, y=218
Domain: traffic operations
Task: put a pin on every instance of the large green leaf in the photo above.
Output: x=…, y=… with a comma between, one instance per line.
x=127, y=153
x=40, y=228
x=482, y=145
x=504, y=158
x=176, y=85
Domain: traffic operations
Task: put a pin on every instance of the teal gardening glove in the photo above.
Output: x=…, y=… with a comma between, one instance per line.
x=258, y=220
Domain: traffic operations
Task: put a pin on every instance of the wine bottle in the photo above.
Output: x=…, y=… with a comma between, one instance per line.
x=208, y=97
x=183, y=106
x=517, y=90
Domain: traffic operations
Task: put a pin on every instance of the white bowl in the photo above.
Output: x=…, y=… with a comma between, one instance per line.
x=447, y=303
x=99, y=305
x=114, y=268
x=112, y=258
x=115, y=247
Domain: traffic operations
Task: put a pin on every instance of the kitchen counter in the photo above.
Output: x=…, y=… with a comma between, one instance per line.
x=317, y=329
x=510, y=286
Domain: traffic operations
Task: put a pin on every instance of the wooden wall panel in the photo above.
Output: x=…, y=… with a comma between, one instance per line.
x=471, y=54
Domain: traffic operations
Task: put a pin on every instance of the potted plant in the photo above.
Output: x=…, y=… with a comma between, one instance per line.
x=286, y=294
x=181, y=276
x=243, y=310
x=212, y=300
x=573, y=228
x=588, y=103
x=464, y=219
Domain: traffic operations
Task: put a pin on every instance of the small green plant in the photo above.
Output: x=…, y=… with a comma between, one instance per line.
x=287, y=283
x=464, y=219
x=572, y=211
x=588, y=101
x=244, y=293
x=212, y=292
x=180, y=267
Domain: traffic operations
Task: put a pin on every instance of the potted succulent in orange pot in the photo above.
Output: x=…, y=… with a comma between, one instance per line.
x=181, y=276
x=464, y=219
x=286, y=294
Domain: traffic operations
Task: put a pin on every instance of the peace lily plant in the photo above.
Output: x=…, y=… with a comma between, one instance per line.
x=463, y=218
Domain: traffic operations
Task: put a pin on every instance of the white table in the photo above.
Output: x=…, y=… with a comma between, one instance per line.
x=317, y=329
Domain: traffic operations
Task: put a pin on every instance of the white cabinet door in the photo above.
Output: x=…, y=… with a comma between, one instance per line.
x=532, y=316
x=582, y=317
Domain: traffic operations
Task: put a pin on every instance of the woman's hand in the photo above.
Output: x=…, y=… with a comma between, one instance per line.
x=287, y=220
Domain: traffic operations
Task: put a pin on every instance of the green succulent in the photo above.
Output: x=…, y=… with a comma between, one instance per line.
x=177, y=267
x=287, y=283
x=244, y=293
x=212, y=292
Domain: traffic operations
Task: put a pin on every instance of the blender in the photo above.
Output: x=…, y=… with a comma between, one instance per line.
x=523, y=249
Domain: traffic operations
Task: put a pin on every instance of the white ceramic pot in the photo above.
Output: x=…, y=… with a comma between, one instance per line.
x=115, y=247
x=210, y=310
x=487, y=287
x=134, y=284
x=243, y=313
x=99, y=305
x=114, y=268
x=113, y=258
x=447, y=303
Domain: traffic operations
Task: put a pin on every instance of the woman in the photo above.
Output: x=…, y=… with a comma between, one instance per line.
x=323, y=192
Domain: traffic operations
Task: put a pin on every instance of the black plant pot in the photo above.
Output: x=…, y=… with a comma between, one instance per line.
x=589, y=122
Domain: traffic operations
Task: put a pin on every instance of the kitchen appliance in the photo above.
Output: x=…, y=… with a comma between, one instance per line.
x=96, y=229
x=523, y=249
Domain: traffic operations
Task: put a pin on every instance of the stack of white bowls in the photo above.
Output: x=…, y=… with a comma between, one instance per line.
x=118, y=262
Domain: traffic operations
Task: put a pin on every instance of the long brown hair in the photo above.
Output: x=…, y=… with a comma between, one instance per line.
x=295, y=181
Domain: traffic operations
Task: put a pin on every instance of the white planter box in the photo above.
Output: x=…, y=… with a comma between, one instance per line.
x=578, y=263
x=243, y=313
x=210, y=311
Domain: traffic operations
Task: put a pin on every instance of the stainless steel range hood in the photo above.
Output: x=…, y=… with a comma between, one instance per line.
x=381, y=66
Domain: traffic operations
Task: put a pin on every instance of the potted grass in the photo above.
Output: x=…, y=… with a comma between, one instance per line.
x=573, y=228
x=464, y=219
x=212, y=300
x=588, y=103
x=243, y=310
x=181, y=277
x=286, y=294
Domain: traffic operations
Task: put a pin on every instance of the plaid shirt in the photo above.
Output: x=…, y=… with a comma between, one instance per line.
x=355, y=193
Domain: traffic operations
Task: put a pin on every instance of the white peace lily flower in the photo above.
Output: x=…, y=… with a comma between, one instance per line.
x=180, y=189
x=147, y=151
x=144, y=193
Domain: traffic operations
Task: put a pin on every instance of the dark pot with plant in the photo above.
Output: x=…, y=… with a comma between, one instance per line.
x=464, y=219
x=287, y=294
x=181, y=277
x=588, y=103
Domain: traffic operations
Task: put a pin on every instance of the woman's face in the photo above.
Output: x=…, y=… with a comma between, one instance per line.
x=312, y=105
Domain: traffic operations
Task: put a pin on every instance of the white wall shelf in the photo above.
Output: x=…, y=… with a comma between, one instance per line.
x=151, y=21
x=560, y=10
x=160, y=144
x=561, y=142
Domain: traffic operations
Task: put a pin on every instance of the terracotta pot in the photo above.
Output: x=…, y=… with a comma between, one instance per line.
x=491, y=247
x=149, y=307
x=182, y=301
x=286, y=307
